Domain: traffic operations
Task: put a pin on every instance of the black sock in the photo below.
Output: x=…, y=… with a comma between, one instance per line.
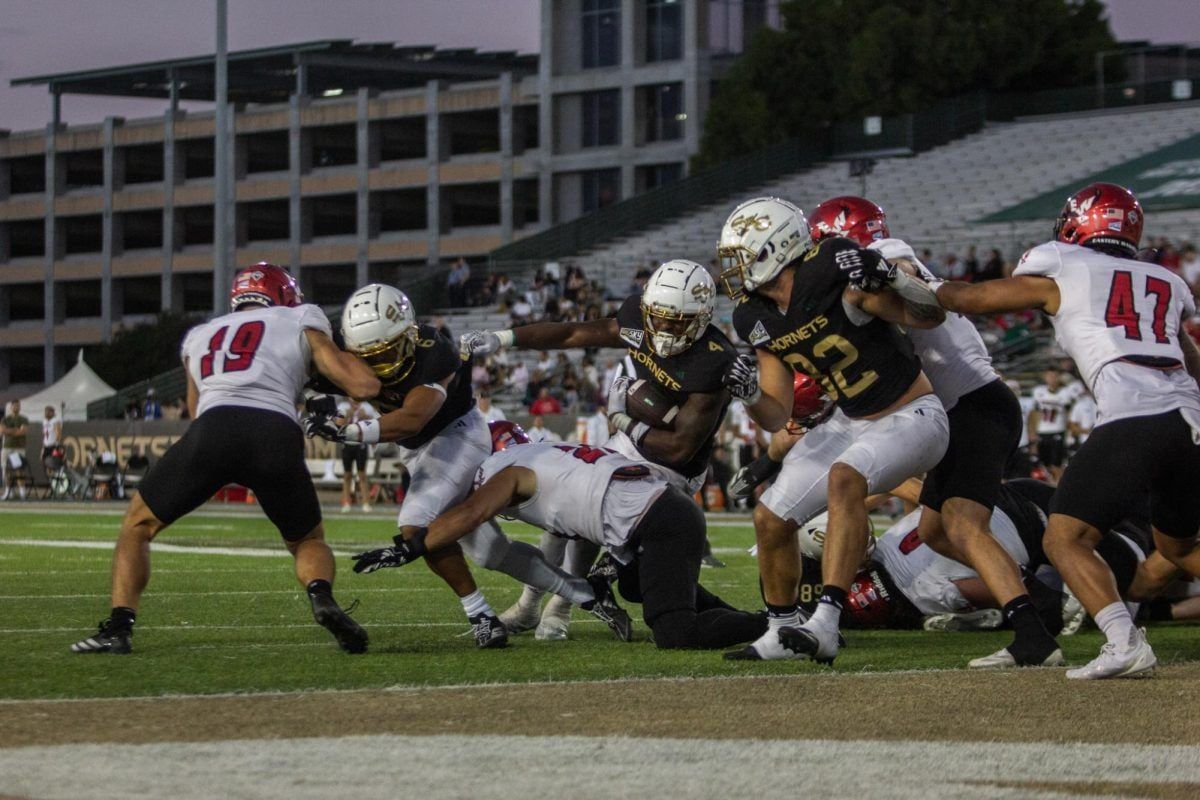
x=1032, y=642
x=319, y=587
x=835, y=596
x=781, y=611
x=122, y=617
x=1159, y=610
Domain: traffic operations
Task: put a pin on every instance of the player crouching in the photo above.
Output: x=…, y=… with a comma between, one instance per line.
x=244, y=371
x=652, y=529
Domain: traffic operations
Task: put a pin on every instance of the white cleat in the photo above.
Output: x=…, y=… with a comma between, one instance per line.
x=366, y=507
x=520, y=617
x=345, y=508
x=985, y=619
x=766, y=648
x=1073, y=615
x=1136, y=660
x=556, y=620
x=1002, y=659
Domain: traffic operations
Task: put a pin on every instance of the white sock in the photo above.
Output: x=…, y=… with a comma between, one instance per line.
x=476, y=604
x=774, y=622
x=826, y=616
x=1116, y=623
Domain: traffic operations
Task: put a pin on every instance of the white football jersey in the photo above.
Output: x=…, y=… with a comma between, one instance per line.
x=256, y=358
x=1052, y=406
x=1083, y=414
x=1114, y=311
x=953, y=354
x=1026, y=409
x=927, y=578
x=582, y=492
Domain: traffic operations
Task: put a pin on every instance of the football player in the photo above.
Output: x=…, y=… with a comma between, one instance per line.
x=1119, y=319
x=671, y=343
x=985, y=428
x=244, y=372
x=426, y=407
x=804, y=308
x=652, y=529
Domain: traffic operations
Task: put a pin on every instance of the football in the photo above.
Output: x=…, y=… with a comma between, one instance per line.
x=647, y=403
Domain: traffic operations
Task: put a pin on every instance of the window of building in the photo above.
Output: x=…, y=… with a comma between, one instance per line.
x=195, y=290
x=26, y=301
x=328, y=284
x=81, y=299
x=525, y=129
x=334, y=146
x=139, y=295
x=733, y=23
x=194, y=225
x=26, y=238
x=265, y=152
x=334, y=215
x=601, y=118
x=400, y=209
x=83, y=169
x=82, y=234
x=662, y=112
x=141, y=230
x=525, y=202
x=143, y=163
x=664, y=30
x=266, y=220
x=653, y=176
x=26, y=365
x=27, y=175
x=470, y=205
x=198, y=158
x=601, y=29
x=401, y=139
x=600, y=188
x=470, y=132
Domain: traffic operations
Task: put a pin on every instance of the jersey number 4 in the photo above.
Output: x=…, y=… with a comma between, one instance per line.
x=1121, y=311
x=242, y=348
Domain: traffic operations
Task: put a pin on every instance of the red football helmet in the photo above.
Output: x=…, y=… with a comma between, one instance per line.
x=872, y=601
x=855, y=218
x=1104, y=214
x=506, y=434
x=264, y=284
x=810, y=404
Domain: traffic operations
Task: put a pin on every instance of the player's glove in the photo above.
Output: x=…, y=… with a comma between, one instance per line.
x=616, y=394
x=322, y=425
x=322, y=404
x=756, y=472
x=617, y=411
x=403, y=551
x=741, y=379
x=482, y=343
x=865, y=269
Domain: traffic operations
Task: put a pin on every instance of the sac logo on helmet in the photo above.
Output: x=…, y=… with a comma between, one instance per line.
x=677, y=306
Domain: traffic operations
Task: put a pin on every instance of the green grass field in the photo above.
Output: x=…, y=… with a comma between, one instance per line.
x=238, y=621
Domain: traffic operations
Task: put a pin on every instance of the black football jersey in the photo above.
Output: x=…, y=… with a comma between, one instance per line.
x=436, y=358
x=699, y=369
x=866, y=368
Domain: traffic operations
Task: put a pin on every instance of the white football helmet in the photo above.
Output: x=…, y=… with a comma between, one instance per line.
x=760, y=238
x=812, y=536
x=677, y=305
x=380, y=327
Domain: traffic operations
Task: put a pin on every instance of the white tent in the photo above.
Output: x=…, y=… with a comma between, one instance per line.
x=70, y=395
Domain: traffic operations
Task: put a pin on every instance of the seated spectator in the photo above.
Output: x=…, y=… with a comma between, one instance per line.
x=518, y=380
x=505, y=291
x=521, y=313
x=537, y=295
x=491, y=412
x=538, y=432
x=1189, y=266
x=993, y=268
x=574, y=283
x=151, y=408
x=545, y=403
x=133, y=410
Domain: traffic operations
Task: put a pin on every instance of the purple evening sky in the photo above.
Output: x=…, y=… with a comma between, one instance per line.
x=47, y=36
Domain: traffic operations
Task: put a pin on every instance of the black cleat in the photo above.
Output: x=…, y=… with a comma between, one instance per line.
x=489, y=632
x=350, y=636
x=805, y=642
x=110, y=638
x=605, y=608
x=605, y=568
x=710, y=560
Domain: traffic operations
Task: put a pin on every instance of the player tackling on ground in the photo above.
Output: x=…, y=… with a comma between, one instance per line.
x=245, y=371
x=1120, y=319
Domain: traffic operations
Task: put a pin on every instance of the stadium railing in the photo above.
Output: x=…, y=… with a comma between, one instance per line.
x=168, y=386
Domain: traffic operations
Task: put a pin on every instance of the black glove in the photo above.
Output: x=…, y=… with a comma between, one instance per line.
x=321, y=404
x=751, y=475
x=323, y=425
x=403, y=551
x=741, y=378
x=865, y=269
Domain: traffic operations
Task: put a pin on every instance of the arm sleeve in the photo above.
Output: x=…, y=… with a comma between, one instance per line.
x=313, y=318
x=1043, y=260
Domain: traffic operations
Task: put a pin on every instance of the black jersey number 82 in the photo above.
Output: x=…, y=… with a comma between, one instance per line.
x=834, y=380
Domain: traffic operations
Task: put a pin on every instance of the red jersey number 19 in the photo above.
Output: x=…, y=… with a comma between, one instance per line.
x=242, y=348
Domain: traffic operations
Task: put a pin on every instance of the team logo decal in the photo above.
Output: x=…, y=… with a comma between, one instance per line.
x=1082, y=207
x=716, y=348
x=633, y=336
x=701, y=293
x=759, y=334
x=754, y=221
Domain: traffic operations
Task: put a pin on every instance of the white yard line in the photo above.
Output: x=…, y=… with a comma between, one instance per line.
x=434, y=767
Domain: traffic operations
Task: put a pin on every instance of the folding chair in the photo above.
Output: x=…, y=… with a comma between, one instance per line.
x=58, y=478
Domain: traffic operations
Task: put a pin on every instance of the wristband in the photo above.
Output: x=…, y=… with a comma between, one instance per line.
x=507, y=338
x=638, y=432
x=369, y=431
x=753, y=398
x=621, y=421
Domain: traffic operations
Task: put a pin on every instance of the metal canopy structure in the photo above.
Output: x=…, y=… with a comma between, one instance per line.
x=273, y=74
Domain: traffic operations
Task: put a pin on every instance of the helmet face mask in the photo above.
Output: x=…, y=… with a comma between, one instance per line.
x=677, y=306
x=380, y=327
x=506, y=434
x=759, y=239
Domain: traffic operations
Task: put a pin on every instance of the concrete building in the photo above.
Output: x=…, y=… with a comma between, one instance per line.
x=351, y=162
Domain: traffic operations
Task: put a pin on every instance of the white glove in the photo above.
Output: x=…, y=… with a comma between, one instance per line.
x=482, y=343
x=365, y=432
x=616, y=395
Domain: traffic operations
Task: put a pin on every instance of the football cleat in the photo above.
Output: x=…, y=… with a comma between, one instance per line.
x=489, y=632
x=1073, y=615
x=817, y=643
x=350, y=636
x=556, y=619
x=109, y=638
x=1136, y=660
x=605, y=609
x=521, y=616
x=1003, y=659
x=985, y=619
x=710, y=560
x=605, y=567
